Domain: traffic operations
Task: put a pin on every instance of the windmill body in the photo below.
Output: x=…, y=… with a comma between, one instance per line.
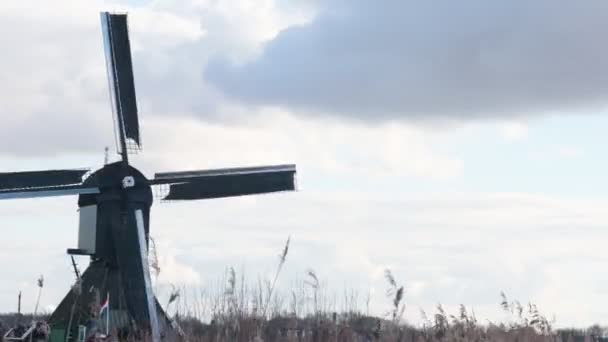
x=114, y=207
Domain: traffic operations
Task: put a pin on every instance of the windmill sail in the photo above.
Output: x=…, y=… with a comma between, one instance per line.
x=30, y=184
x=218, y=183
x=120, y=78
x=37, y=179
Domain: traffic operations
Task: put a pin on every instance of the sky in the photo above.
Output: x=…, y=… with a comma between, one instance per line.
x=458, y=144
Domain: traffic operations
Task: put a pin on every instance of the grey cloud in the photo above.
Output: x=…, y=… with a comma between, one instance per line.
x=464, y=59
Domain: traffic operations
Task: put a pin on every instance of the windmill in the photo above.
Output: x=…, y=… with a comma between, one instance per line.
x=114, y=203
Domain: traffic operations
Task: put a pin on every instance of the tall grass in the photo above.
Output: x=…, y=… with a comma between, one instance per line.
x=235, y=310
x=233, y=319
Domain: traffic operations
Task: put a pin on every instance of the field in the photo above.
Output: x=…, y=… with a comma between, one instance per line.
x=338, y=327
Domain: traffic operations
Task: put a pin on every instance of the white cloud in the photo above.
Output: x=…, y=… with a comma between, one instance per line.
x=569, y=152
x=172, y=271
x=514, y=131
x=400, y=150
x=449, y=248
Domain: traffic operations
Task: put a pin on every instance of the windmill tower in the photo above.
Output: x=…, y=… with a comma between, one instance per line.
x=114, y=207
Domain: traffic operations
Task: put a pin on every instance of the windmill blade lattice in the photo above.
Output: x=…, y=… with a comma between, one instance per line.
x=47, y=183
x=121, y=82
x=220, y=183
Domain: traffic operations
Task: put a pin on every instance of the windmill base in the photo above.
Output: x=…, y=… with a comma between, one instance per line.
x=78, y=314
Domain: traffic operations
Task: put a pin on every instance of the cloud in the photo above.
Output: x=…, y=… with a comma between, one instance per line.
x=514, y=131
x=170, y=77
x=318, y=147
x=53, y=87
x=172, y=271
x=569, y=152
x=450, y=248
x=415, y=59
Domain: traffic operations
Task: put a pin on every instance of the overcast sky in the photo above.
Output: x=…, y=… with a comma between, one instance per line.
x=459, y=144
